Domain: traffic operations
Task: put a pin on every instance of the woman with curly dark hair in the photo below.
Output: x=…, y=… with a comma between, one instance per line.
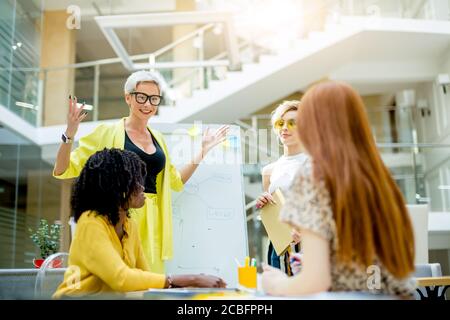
x=106, y=254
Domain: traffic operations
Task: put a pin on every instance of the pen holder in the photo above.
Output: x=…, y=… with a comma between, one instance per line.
x=247, y=277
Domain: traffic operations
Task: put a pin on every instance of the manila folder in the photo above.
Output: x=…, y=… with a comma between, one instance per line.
x=279, y=233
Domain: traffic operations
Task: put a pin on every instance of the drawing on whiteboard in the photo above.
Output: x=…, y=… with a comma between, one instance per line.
x=194, y=185
x=209, y=220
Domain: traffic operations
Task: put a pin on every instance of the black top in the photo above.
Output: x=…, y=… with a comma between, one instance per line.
x=155, y=162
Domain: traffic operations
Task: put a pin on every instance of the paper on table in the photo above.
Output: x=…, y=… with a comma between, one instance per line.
x=279, y=233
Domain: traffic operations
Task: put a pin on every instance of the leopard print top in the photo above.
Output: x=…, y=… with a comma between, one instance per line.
x=308, y=206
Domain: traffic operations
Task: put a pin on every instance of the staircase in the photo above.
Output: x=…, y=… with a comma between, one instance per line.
x=339, y=50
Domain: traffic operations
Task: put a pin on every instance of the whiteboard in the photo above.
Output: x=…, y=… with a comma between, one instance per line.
x=209, y=220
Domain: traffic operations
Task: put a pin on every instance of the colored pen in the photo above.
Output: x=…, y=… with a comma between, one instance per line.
x=253, y=262
x=247, y=261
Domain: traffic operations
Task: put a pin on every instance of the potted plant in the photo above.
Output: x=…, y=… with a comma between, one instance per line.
x=46, y=238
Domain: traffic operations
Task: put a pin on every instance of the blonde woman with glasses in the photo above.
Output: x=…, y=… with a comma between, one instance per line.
x=143, y=94
x=280, y=174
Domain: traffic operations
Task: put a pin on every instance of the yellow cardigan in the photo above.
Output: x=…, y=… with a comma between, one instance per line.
x=99, y=262
x=113, y=136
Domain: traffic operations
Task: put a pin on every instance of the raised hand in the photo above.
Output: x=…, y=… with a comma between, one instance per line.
x=74, y=117
x=210, y=140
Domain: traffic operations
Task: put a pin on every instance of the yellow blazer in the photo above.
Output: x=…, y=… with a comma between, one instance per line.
x=113, y=136
x=99, y=262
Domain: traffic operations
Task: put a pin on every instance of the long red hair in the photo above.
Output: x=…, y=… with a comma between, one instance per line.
x=368, y=207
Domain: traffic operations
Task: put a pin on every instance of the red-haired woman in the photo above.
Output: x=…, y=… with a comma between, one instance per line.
x=356, y=232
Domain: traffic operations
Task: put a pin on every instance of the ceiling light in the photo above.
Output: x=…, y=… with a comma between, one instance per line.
x=26, y=105
x=14, y=47
x=444, y=187
x=19, y=44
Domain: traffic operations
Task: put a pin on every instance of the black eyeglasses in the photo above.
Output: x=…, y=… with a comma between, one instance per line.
x=142, y=98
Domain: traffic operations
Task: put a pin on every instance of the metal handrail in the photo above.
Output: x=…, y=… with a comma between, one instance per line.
x=184, y=38
x=216, y=57
x=94, y=63
x=412, y=145
x=137, y=57
x=243, y=125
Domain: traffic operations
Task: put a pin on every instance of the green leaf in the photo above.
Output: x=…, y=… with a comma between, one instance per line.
x=46, y=237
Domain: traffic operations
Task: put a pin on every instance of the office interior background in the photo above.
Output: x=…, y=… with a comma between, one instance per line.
x=224, y=62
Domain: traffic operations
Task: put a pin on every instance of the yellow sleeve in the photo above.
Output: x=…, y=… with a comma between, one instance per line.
x=87, y=146
x=141, y=260
x=102, y=260
x=176, y=184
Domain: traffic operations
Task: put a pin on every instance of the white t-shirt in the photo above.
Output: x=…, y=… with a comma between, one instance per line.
x=284, y=171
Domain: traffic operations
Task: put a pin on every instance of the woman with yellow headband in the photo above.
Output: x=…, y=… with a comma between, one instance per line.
x=280, y=174
x=142, y=90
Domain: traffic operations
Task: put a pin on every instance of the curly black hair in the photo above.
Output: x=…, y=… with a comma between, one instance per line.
x=106, y=183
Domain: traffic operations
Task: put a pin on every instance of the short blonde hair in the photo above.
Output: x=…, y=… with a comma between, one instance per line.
x=144, y=76
x=282, y=109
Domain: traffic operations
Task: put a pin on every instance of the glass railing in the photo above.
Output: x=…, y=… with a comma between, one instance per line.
x=389, y=124
x=100, y=83
x=420, y=169
x=25, y=88
x=408, y=9
x=28, y=192
x=20, y=57
x=285, y=22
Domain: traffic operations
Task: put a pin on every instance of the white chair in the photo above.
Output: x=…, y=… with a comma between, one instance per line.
x=49, y=277
x=419, y=218
x=429, y=270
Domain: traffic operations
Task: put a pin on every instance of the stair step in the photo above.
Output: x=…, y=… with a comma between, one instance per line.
x=266, y=58
x=250, y=67
x=251, y=72
x=317, y=35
